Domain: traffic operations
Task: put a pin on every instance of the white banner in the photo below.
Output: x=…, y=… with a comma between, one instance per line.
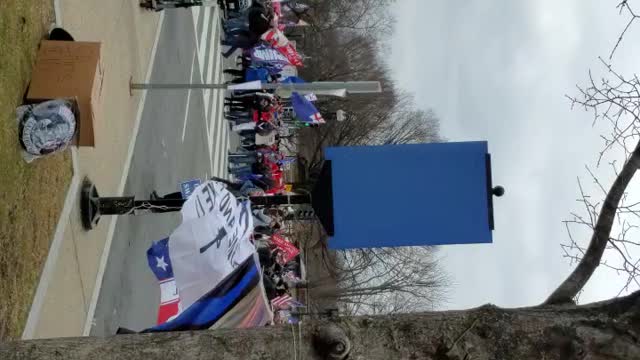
x=250, y=85
x=213, y=239
x=284, y=92
x=311, y=97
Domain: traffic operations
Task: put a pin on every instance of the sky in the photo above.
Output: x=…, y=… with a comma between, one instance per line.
x=498, y=71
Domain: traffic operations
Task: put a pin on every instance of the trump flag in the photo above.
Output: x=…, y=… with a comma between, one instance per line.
x=214, y=265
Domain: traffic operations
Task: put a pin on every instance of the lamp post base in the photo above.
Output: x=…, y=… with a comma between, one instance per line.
x=89, y=205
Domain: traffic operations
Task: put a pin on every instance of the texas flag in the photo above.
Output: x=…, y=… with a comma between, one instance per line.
x=160, y=263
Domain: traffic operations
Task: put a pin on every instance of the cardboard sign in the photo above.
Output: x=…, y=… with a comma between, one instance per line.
x=70, y=69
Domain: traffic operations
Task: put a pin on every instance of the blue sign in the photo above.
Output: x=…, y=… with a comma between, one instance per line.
x=406, y=195
x=187, y=187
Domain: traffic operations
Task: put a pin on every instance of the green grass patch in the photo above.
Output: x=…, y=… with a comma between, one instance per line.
x=31, y=195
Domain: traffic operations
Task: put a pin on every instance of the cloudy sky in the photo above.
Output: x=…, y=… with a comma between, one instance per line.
x=498, y=70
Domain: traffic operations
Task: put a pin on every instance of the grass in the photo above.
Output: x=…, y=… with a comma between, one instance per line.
x=31, y=195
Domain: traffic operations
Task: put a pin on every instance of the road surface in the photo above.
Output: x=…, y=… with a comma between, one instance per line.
x=182, y=136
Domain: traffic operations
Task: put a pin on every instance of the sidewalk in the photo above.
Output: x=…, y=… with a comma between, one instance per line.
x=67, y=291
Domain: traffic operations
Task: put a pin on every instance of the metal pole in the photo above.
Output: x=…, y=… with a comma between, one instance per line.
x=354, y=87
x=93, y=206
x=152, y=86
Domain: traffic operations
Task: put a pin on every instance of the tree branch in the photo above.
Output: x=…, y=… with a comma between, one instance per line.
x=601, y=234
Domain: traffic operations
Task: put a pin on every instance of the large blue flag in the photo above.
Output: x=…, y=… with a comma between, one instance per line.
x=211, y=307
x=305, y=110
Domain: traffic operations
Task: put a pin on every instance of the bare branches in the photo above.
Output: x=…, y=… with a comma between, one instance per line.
x=388, y=280
x=601, y=234
x=622, y=248
x=615, y=100
x=624, y=7
x=363, y=16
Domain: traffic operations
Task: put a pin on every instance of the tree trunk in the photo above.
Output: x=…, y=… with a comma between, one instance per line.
x=601, y=234
x=606, y=330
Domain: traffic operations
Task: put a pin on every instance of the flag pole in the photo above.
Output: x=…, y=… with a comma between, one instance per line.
x=353, y=87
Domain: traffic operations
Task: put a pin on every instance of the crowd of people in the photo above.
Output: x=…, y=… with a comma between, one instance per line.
x=256, y=166
x=280, y=266
x=258, y=117
x=258, y=162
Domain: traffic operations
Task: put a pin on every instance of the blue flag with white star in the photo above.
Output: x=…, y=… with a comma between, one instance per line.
x=159, y=260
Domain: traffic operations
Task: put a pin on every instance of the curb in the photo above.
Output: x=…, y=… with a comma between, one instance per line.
x=52, y=257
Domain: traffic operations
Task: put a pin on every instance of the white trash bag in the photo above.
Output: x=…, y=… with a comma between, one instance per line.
x=45, y=128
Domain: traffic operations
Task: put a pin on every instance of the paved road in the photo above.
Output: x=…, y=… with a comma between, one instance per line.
x=182, y=135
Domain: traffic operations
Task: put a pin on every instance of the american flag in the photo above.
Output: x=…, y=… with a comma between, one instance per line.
x=284, y=302
x=281, y=302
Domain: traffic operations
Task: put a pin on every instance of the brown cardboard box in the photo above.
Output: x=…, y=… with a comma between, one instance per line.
x=67, y=69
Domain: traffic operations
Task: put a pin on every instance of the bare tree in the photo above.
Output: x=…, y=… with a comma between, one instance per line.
x=398, y=280
x=370, y=16
x=386, y=280
x=409, y=126
x=615, y=100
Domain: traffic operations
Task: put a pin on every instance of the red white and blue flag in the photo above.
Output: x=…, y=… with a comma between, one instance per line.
x=284, y=302
x=281, y=302
x=305, y=110
x=160, y=263
x=208, y=269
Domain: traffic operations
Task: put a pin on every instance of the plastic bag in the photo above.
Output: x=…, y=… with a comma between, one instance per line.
x=45, y=128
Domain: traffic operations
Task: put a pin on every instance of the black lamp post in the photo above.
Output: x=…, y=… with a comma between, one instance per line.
x=93, y=206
